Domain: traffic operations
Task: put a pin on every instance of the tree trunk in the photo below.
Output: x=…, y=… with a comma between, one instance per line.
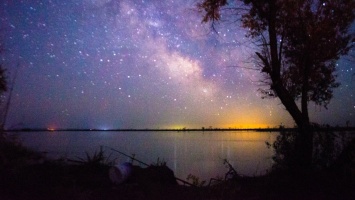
x=275, y=73
x=304, y=141
x=304, y=145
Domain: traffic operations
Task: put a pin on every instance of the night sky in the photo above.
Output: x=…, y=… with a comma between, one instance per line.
x=140, y=64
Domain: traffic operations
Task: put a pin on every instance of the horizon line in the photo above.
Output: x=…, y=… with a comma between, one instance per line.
x=172, y=129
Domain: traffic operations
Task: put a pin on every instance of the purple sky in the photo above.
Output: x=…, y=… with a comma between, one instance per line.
x=139, y=64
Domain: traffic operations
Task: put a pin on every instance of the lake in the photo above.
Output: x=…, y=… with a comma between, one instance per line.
x=196, y=152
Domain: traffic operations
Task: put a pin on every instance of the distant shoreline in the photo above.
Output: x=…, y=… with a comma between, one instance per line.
x=182, y=130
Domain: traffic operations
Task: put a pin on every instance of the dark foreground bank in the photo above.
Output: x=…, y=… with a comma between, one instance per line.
x=25, y=174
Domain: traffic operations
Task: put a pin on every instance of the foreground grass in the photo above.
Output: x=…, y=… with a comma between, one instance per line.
x=28, y=175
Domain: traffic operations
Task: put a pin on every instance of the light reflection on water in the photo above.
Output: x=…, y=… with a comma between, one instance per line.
x=198, y=153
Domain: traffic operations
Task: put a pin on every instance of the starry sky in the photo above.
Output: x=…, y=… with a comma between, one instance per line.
x=139, y=64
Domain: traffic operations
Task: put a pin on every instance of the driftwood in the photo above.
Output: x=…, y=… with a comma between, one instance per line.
x=160, y=173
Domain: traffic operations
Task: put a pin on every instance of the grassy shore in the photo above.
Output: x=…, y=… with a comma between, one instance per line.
x=25, y=174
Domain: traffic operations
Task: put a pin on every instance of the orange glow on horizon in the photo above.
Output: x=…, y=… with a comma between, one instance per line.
x=248, y=126
x=224, y=126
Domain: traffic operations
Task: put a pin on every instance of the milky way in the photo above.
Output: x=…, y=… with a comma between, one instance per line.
x=139, y=64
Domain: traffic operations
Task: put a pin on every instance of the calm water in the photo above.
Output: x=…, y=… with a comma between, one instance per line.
x=197, y=153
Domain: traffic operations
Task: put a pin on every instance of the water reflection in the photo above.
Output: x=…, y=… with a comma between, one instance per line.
x=198, y=153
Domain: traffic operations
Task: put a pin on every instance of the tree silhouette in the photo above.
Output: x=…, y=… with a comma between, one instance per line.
x=300, y=42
